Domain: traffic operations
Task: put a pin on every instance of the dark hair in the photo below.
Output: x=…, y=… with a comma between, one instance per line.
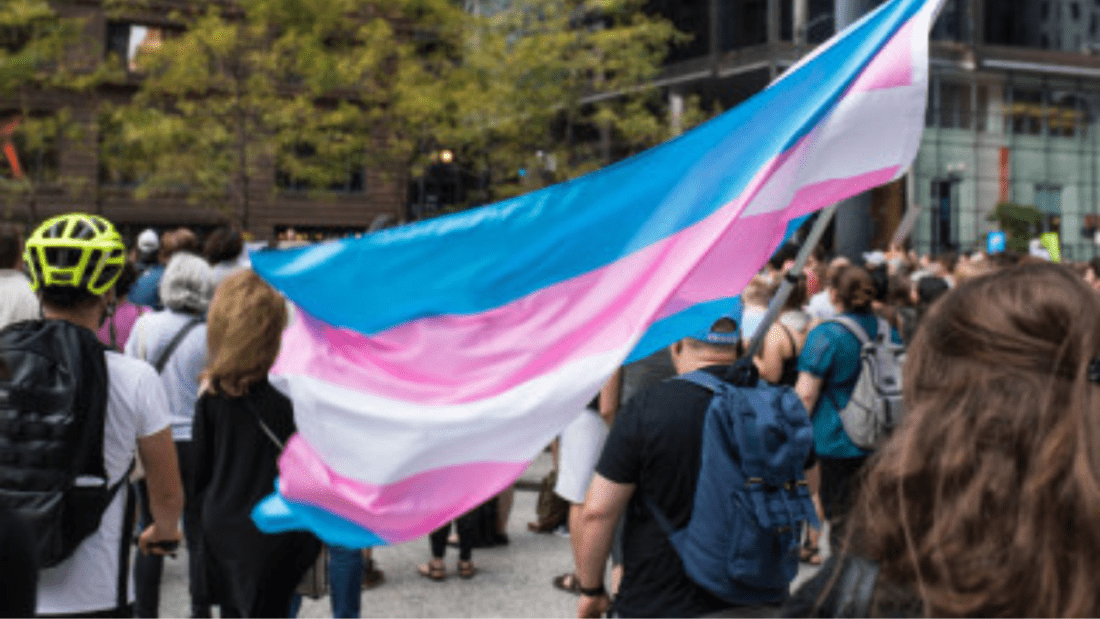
x=880, y=279
x=931, y=288
x=899, y=289
x=949, y=260
x=984, y=502
x=223, y=244
x=125, y=280
x=854, y=288
x=67, y=297
x=799, y=295
x=788, y=251
x=11, y=245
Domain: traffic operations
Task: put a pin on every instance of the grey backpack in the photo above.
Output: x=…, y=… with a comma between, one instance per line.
x=875, y=408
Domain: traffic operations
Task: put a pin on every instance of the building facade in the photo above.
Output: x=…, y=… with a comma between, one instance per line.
x=1014, y=100
x=73, y=175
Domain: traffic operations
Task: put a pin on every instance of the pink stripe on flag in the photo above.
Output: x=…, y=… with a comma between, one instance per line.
x=395, y=512
x=893, y=66
x=458, y=359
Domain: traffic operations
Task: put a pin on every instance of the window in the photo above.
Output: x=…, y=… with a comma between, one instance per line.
x=1075, y=11
x=1048, y=199
x=1094, y=25
x=955, y=105
x=1025, y=114
x=127, y=42
x=1044, y=11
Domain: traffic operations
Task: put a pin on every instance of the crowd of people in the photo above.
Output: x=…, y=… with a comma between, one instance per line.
x=981, y=503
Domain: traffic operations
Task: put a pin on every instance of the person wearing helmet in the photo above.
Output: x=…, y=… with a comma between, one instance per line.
x=73, y=261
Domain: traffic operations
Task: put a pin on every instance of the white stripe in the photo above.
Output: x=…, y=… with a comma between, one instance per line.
x=867, y=131
x=380, y=440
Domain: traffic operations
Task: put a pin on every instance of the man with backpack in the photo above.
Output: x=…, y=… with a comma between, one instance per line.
x=650, y=469
x=70, y=417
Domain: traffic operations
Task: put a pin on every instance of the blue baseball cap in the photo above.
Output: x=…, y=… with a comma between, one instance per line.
x=722, y=339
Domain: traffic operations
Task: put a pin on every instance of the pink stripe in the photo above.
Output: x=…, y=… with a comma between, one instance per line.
x=456, y=359
x=396, y=512
x=765, y=231
x=892, y=67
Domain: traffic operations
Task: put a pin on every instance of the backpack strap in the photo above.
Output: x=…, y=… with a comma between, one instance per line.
x=883, y=330
x=853, y=327
x=166, y=354
x=128, y=514
x=855, y=587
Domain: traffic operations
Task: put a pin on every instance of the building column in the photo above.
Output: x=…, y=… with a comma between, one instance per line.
x=675, y=111
x=854, y=230
x=801, y=16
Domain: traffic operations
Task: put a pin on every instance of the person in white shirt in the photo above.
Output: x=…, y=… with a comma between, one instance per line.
x=89, y=583
x=185, y=289
x=17, y=301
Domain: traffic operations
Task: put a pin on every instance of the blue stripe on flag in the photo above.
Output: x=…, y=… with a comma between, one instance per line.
x=486, y=257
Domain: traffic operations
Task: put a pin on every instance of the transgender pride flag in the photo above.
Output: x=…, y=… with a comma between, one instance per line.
x=428, y=364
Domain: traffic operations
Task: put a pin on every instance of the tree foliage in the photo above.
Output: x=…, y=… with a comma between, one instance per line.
x=47, y=72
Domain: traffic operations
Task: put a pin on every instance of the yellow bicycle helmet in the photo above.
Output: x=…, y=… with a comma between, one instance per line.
x=77, y=250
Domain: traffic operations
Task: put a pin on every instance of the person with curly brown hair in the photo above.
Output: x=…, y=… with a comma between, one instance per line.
x=985, y=501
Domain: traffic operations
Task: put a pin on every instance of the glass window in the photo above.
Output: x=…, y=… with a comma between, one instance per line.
x=1025, y=114
x=128, y=41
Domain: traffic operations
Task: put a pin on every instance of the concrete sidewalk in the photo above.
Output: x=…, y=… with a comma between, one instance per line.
x=513, y=580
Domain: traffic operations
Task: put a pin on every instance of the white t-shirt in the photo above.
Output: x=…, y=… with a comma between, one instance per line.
x=17, y=302
x=821, y=307
x=181, y=374
x=88, y=580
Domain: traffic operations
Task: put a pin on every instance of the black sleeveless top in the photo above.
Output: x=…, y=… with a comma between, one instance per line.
x=790, y=365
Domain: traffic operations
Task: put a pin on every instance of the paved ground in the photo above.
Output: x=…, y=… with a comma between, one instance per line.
x=513, y=581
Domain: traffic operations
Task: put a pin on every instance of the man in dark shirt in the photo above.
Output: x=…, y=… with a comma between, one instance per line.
x=652, y=454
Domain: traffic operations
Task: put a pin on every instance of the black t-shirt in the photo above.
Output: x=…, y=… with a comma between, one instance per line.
x=656, y=444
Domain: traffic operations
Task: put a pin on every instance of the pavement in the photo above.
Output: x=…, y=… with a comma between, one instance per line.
x=512, y=580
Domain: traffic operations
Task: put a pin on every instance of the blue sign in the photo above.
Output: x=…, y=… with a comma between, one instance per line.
x=995, y=242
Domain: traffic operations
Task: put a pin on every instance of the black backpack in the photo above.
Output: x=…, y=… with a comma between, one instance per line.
x=53, y=402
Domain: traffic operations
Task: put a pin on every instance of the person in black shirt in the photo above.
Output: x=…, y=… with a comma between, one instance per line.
x=652, y=454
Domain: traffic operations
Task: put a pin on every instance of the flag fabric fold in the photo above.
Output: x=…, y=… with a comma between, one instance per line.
x=428, y=364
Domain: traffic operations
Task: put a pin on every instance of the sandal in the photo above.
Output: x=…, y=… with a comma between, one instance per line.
x=568, y=583
x=466, y=569
x=809, y=554
x=432, y=572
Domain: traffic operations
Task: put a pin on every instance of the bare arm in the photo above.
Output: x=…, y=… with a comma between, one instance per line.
x=610, y=395
x=808, y=389
x=605, y=504
x=162, y=476
x=770, y=360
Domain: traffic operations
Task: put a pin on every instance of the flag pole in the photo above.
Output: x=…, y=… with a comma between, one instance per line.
x=790, y=278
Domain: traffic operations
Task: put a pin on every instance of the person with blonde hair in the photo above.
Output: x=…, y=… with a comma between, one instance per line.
x=984, y=502
x=241, y=425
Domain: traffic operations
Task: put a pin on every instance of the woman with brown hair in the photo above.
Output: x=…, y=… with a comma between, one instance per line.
x=828, y=368
x=241, y=424
x=986, y=500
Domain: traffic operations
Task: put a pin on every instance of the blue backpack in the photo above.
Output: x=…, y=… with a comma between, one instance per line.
x=751, y=497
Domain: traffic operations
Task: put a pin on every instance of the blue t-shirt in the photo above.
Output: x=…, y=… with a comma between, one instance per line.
x=831, y=353
x=146, y=290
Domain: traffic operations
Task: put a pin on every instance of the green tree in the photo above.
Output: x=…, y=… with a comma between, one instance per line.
x=47, y=74
x=251, y=90
x=1021, y=223
x=556, y=88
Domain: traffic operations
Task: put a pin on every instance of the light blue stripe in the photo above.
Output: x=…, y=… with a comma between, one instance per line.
x=275, y=514
x=484, y=258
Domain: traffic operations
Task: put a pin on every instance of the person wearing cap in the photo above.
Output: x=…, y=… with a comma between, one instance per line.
x=652, y=454
x=146, y=291
x=17, y=301
x=148, y=243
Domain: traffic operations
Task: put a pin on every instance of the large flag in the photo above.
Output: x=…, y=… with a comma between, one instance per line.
x=428, y=364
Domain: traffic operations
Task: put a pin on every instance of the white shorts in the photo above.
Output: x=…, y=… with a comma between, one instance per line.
x=581, y=445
